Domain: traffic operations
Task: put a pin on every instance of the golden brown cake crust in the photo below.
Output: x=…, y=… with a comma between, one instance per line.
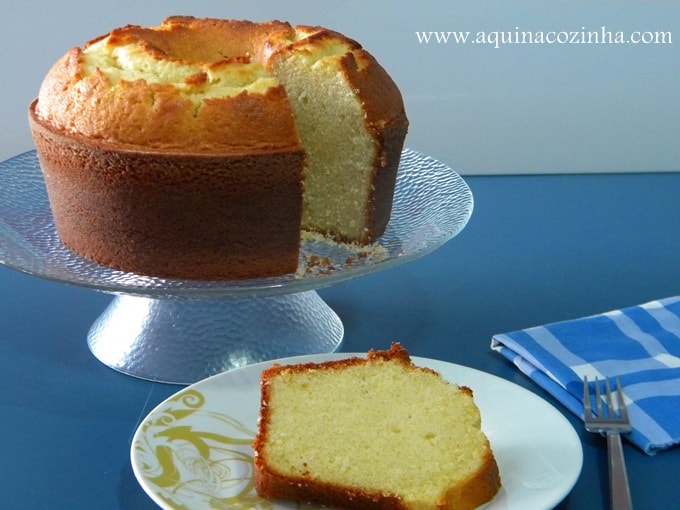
x=189, y=211
x=160, y=116
x=469, y=494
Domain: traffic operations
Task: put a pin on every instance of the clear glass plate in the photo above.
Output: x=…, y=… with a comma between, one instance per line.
x=432, y=204
x=181, y=331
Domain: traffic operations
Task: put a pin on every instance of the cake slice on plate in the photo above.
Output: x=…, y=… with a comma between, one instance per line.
x=374, y=432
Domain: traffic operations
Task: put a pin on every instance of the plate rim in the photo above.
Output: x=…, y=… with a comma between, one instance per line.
x=570, y=479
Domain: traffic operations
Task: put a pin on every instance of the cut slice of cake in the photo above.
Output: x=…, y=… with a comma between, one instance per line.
x=374, y=432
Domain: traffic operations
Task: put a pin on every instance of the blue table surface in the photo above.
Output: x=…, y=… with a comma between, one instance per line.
x=538, y=249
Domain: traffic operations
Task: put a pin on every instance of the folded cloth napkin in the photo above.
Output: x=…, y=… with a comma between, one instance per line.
x=640, y=345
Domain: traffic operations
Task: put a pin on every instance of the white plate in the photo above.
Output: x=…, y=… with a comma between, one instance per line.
x=194, y=450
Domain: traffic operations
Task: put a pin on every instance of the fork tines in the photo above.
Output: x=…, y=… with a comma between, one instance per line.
x=612, y=425
x=607, y=418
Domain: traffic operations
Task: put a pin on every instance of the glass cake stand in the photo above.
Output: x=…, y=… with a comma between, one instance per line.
x=181, y=331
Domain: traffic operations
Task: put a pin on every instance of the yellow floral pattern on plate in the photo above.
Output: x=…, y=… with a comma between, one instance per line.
x=210, y=467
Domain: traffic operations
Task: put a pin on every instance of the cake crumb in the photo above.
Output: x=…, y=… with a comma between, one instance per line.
x=323, y=255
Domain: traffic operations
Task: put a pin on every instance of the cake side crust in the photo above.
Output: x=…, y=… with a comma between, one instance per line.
x=174, y=215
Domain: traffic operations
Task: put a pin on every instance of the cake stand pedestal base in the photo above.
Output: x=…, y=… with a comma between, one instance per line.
x=181, y=341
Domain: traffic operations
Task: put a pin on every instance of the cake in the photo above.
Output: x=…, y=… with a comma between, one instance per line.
x=371, y=433
x=202, y=148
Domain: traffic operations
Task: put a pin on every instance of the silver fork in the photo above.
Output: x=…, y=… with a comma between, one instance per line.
x=609, y=423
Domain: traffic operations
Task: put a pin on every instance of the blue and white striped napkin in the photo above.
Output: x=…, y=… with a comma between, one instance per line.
x=640, y=345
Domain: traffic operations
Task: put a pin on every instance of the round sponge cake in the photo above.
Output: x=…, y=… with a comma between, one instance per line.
x=199, y=149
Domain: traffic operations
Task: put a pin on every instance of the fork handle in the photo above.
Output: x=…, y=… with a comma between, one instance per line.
x=619, y=489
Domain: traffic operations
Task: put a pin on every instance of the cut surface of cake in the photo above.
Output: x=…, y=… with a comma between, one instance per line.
x=344, y=107
x=199, y=149
x=374, y=432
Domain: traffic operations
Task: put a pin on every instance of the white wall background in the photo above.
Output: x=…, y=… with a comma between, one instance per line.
x=532, y=108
